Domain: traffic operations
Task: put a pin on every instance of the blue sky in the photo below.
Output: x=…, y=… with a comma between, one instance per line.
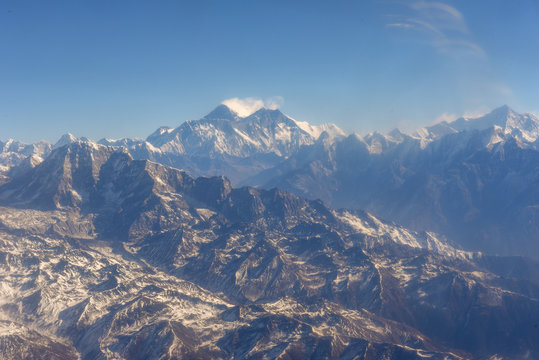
x=123, y=68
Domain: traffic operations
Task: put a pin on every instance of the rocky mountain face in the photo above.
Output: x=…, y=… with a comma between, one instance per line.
x=17, y=157
x=474, y=180
x=103, y=257
x=223, y=143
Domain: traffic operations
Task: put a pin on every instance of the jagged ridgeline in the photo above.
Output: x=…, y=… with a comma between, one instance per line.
x=223, y=143
x=473, y=180
x=104, y=256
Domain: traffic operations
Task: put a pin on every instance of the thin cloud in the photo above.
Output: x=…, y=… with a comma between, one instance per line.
x=445, y=117
x=274, y=102
x=470, y=114
x=428, y=7
x=442, y=26
x=503, y=89
x=401, y=25
x=457, y=46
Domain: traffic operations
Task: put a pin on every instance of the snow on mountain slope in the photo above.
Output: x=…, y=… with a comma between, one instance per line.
x=14, y=153
x=65, y=139
x=94, y=301
x=62, y=276
x=455, y=164
x=379, y=233
x=150, y=261
x=504, y=117
x=224, y=143
x=523, y=127
x=316, y=130
x=102, y=304
x=477, y=185
x=224, y=132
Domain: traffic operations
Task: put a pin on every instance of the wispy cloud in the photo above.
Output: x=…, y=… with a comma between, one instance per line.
x=440, y=25
x=470, y=114
x=401, y=25
x=246, y=106
x=274, y=102
x=447, y=117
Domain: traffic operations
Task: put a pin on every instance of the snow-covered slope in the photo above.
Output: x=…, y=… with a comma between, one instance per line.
x=224, y=143
x=224, y=132
x=474, y=180
x=14, y=154
x=148, y=262
x=522, y=127
x=221, y=143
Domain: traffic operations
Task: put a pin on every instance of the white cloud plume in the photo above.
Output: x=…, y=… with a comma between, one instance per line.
x=440, y=10
x=447, y=117
x=247, y=106
x=244, y=107
x=470, y=114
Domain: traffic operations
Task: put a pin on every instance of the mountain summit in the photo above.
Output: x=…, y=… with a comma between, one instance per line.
x=224, y=143
x=474, y=179
x=222, y=112
x=522, y=126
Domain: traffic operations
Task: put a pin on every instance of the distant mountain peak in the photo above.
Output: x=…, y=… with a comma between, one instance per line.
x=65, y=139
x=226, y=112
x=497, y=117
x=268, y=113
x=244, y=107
x=504, y=117
x=164, y=132
x=524, y=126
x=504, y=109
x=223, y=112
x=63, y=179
x=396, y=135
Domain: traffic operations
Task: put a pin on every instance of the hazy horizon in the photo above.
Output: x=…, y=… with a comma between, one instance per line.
x=248, y=106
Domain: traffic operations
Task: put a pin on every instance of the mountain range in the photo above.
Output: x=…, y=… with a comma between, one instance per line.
x=103, y=256
x=222, y=143
x=474, y=180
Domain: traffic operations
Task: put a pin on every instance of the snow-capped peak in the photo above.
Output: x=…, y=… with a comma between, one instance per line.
x=65, y=139
x=244, y=107
x=223, y=112
x=522, y=126
x=316, y=130
x=164, y=130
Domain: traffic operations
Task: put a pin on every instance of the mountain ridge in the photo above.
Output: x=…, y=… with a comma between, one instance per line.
x=196, y=267
x=376, y=171
x=476, y=186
